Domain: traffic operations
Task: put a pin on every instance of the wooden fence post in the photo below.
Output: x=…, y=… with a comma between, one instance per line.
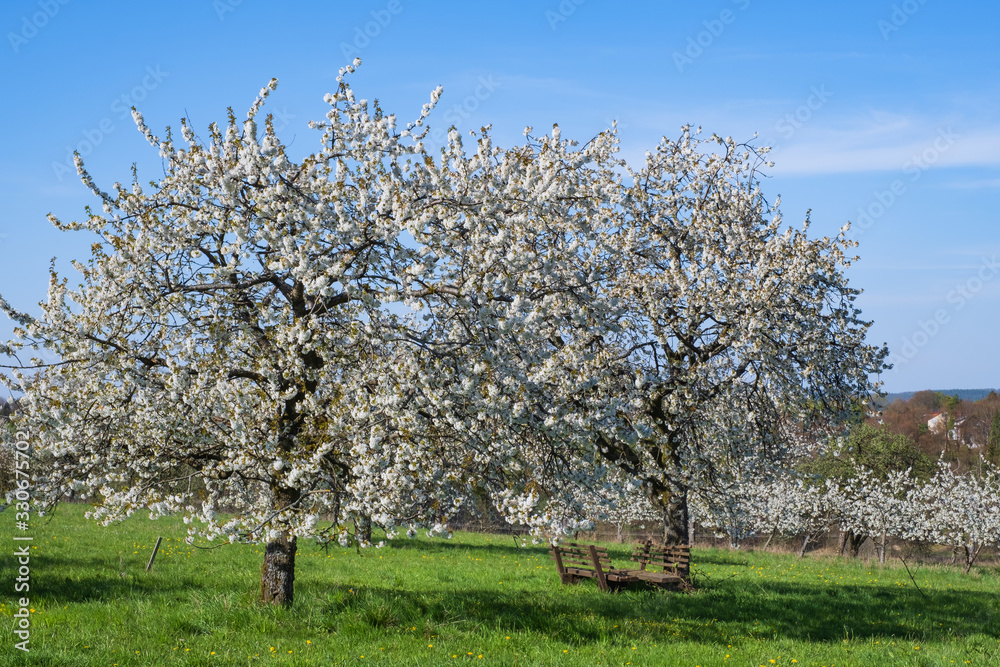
x=149, y=565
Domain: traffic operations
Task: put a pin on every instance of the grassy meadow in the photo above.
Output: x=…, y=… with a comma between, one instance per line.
x=474, y=599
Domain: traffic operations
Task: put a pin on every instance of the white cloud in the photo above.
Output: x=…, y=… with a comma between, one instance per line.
x=841, y=151
x=809, y=136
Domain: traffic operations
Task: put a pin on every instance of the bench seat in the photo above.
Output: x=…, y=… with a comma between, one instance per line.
x=659, y=566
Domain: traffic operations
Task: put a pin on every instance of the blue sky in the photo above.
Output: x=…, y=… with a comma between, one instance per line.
x=883, y=113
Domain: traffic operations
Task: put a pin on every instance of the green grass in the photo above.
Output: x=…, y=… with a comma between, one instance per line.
x=435, y=602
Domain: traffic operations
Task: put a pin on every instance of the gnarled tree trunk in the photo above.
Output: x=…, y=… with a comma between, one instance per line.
x=854, y=542
x=675, y=518
x=363, y=529
x=277, y=575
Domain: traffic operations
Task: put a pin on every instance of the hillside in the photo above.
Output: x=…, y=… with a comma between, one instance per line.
x=963, y=394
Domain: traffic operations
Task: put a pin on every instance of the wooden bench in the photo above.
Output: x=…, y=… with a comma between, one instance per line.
x=662, y=565
x=576, y=562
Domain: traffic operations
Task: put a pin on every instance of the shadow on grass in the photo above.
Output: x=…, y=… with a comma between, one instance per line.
x=58, y=580
x=723, y=613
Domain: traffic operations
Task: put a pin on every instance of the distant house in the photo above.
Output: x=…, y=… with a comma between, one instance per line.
x=957, y=433
x=937, y=422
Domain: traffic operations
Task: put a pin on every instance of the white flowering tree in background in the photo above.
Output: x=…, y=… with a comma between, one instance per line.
x=774, y=503
x=877, y=462
x=791, y=507
x=729, y=515
x=956, y=510
x=621, y=502
x=631, y=507
x=878, y=507
x=233, y=343
x=960, y=511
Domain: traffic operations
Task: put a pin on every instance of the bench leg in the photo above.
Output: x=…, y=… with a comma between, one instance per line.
x=602, y=581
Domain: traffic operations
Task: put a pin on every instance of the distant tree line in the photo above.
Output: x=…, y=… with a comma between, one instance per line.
x=971, y=428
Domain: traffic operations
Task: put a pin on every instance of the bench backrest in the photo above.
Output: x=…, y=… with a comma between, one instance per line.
x=579, y=555
x=587, y=557
x=675, y=558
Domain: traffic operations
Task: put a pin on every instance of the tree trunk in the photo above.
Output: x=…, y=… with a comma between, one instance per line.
x=805, y=544
x=277, y=575
x=363, y=529
x=675, y=519
x=855, y=542
x=769, y=538
x=844, y=536
x=971, y=553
